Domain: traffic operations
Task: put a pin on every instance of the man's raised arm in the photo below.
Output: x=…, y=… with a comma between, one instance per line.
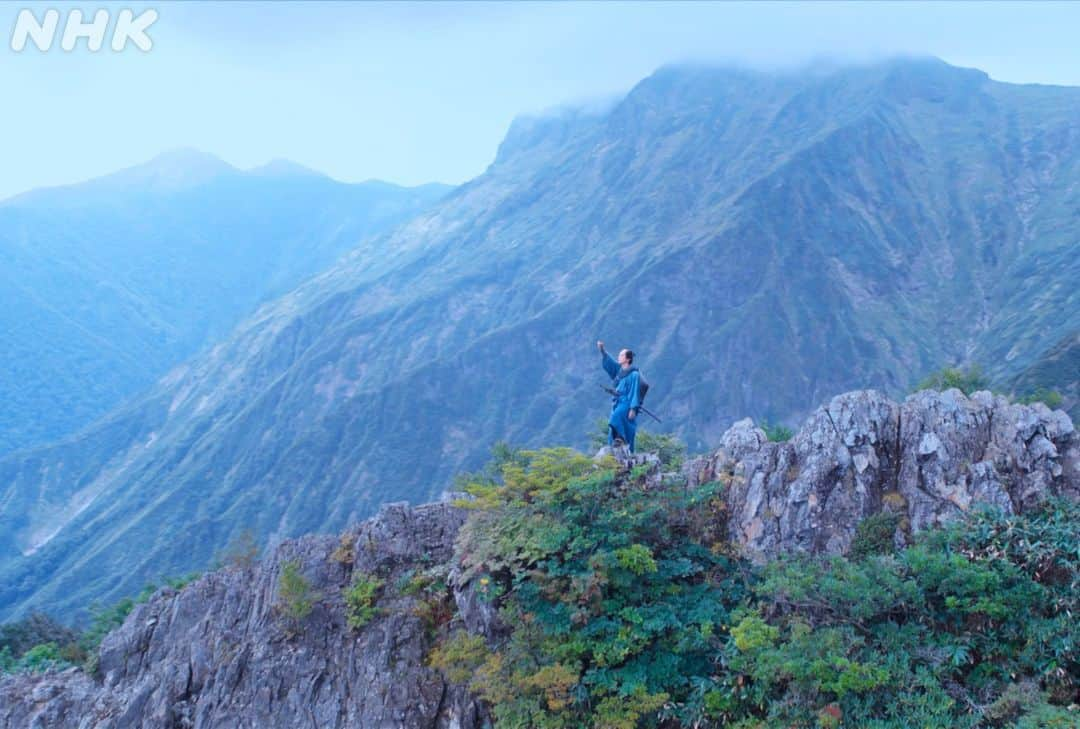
x=610, y=365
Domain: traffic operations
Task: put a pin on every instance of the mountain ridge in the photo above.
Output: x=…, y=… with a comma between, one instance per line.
x=110, y=282
x=851, y=262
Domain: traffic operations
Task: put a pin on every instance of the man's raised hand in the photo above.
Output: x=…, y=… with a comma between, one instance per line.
x=600, y=345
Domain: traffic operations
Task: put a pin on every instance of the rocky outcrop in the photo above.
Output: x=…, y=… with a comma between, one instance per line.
x=930, y=458
x=218, y=653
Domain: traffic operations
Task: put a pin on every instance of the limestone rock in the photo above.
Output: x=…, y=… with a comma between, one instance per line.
x=931, y=458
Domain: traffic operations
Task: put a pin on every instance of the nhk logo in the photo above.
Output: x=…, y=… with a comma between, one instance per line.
x=127, y=27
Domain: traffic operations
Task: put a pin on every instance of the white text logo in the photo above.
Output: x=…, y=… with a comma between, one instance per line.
x=43, y=33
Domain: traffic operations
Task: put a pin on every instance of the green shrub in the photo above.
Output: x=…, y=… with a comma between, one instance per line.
x=1051, y=398
x=459, y=656
x=40, y=658
x=776, y=433
x=295, y=596
x=360, y=599
x=35, y=629
x=668, y=448
x=875, y=535
x=967, y=381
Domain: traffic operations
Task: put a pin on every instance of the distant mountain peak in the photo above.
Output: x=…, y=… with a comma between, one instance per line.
x=187, y=158
x=174, y=169
x=178, y=168
x=279, y=167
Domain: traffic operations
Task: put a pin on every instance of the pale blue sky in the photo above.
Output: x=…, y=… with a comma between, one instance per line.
x=418, y=93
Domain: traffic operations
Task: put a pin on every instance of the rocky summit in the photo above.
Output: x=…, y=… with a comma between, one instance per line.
x=218, y=653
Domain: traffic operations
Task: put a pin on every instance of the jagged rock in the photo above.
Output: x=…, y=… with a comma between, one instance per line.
x=930, y=458
x=216, y=653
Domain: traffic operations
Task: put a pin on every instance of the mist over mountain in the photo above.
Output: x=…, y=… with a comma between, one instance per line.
x=108, y=283
x=763, y=241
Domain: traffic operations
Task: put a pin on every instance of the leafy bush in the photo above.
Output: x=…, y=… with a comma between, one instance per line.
x=616, y=598
x=40, y=658
x=295, y=596
x=967, y=381
x=1051, y=398
x=874, y=535
x=360, y=599
x=934, y=635
x=668, y=448
x=776, y=433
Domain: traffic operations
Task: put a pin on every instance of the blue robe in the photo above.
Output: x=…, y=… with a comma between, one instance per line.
x=619, y=423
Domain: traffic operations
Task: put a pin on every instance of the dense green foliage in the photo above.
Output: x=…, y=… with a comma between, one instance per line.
x=20, y=636
x=628, y=609
x=935, y=635
x=618, y=594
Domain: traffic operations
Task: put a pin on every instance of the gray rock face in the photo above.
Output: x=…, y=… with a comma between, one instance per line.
x=930, y=458
x=218, y=653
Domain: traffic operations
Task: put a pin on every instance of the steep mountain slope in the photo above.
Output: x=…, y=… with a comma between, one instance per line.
x=763, y=241
x=109, y=283
x=1057, y=369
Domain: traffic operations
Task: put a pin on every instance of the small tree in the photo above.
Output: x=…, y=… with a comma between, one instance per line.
x=242, y=551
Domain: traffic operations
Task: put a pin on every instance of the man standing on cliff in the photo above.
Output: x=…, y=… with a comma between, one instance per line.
x=622, y=424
